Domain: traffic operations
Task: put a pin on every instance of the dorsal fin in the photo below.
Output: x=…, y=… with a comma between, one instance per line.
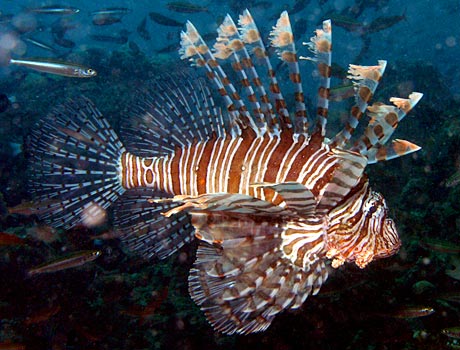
x=321, y=46
x=282, y=39
x=365, y=79
x=230, y=45
x=194, y=48
x=170, y=114
x=251, y=36
x=384, y=121
x=397, y=148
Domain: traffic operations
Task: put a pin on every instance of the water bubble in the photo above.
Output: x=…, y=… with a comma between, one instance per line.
x=8, y=41
x=25, y=22
x=451, y=41
x=93, y=215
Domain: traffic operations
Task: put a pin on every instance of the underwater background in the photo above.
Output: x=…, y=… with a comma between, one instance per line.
x=121, y=301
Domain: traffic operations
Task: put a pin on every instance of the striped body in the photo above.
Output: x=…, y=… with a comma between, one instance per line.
x=270, y=199
x=233, y=164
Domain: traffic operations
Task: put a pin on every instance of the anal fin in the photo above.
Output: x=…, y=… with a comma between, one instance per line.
x=145, y=230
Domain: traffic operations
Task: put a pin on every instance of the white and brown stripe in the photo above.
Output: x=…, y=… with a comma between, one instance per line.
x=303, y=242
x=359, y=229
x=233, y=165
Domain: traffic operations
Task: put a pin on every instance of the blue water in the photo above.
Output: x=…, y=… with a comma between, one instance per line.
x=100, y=305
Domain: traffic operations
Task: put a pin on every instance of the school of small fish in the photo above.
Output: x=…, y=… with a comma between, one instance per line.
x=67, y=21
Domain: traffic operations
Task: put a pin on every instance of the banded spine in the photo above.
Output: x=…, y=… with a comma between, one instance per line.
x=282, y=39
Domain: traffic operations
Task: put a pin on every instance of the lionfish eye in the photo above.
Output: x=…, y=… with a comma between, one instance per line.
x=372, y=209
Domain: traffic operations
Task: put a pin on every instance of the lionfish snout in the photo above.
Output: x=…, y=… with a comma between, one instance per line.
x=381, y=228
x=388, y=242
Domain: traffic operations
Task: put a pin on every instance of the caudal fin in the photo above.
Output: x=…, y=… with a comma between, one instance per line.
x=75, y=168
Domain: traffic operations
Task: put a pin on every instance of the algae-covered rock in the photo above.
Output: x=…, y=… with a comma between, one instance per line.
x=423, y=287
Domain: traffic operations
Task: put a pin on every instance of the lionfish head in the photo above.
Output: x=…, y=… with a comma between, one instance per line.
x=367, y=234
x=380, y=227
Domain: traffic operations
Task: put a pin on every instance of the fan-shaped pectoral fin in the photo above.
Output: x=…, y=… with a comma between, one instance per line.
x=244, y=279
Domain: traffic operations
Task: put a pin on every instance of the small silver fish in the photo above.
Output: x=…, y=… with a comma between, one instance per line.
x=55, y=67
x=453, y=332
x=39, y=44
x=163, y=20
x=114, y=11
x=412, y=312
x=66, y=262
x=54, y=10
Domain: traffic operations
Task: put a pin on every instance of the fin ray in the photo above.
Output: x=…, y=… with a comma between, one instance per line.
x=383, y=123
x=75, y=156
x=242, y=286
x=159, y=122
x=282, y=39
x=296, y=196
x=365, y=80
x=144, y=230
x=321, y=46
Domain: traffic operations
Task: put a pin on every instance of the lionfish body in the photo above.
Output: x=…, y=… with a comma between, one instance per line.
x=269, y=197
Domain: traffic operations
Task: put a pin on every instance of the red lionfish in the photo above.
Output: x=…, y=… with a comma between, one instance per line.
x=269, y=198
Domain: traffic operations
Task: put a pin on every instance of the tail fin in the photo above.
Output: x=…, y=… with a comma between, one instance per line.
x=75, y=170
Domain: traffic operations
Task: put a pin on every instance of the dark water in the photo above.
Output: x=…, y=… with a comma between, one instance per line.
x=121, y=301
